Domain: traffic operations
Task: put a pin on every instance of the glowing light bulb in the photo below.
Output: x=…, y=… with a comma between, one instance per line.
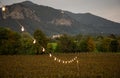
x=3, y=8
x=43, y=49
x=55, y=58
x=66, y=62
x=34, y=41
x=50, y=55
x=58, y=60
x=22, y=29
x=77, y=61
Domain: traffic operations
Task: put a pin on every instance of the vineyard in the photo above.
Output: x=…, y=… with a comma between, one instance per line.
x=89, y=65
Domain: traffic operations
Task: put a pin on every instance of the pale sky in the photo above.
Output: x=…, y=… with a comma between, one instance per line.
x=109, y=9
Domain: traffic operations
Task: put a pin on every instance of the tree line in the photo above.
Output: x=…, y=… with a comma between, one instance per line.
x=12, y=42
x=87, y=43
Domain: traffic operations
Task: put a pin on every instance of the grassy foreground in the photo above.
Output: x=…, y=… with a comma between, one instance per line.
x=91, y=65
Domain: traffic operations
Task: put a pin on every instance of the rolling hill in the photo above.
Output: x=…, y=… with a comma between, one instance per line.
x=54, y=21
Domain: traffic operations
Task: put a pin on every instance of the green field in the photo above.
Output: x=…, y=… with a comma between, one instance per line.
x=90, y=65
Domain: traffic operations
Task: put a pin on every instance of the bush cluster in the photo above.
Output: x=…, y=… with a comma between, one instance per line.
x=12, y=42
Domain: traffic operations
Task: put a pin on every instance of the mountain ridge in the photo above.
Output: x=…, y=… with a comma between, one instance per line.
x=55, y=21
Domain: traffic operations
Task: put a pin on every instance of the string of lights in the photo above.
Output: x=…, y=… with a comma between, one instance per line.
x=64, y=61
x=23, y=29
x=43, y=49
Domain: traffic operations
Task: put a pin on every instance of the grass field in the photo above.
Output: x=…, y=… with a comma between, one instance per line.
x=91, y=65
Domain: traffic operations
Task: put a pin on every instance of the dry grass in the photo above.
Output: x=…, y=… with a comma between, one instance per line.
x=91, y=65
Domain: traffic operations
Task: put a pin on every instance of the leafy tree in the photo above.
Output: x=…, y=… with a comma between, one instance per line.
x=14, y=42
x=83, y=46
x=104, y=45
x=90, y=44
x=41, y=41
x=87, y=45
x=66, y=44
x=114, y=45
x=26, y=44
x=9, y=41
x=78, y=37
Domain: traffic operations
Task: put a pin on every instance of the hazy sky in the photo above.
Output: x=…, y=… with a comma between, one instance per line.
x=109, y=9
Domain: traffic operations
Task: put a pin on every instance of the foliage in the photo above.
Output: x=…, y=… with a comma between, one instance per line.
x=41, y=41
x=87, y=45
x=26, y=44
x=66, y=44
x=90, y=44
x=104, y=45
x=9, y=41
x=12, y=42
x=51, y=47
x=114, y=45
x=83, y=46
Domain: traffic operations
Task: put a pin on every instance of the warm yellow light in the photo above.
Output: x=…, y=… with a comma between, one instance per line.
x=66, y=62
x=22, y=29
x=58, y=60
x=34, y=41
x=43, y=49
x=63, y=61
x=50, y=55
x=77, y=61
x=75, y=57
x=55, y=58
x=3, y=8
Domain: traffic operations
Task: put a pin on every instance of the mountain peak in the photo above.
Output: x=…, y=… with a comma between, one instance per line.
x=18, y=11
x=53, y=21
x=28, y=2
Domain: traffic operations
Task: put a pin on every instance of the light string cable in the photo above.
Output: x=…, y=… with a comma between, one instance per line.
x=23, y=29
x=64, y=61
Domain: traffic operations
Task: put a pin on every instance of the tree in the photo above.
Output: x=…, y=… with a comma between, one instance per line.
x=9, y=41
x=83, y=46
x=78, y=37
x=14, y=42
x=66, y=44
x=114, y=45
x=104, y=45
x=41, y=41
x=87, y=45
x=90, y=44
x=26, y=44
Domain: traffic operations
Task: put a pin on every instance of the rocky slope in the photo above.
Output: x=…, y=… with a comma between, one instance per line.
x=53, y=21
